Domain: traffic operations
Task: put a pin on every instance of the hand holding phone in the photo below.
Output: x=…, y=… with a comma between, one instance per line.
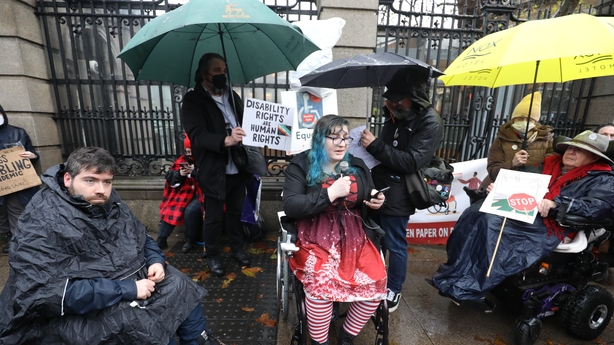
x=383, y=190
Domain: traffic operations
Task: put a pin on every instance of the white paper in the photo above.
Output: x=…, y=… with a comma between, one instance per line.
x=267, y=124
x=358, y=151
x=515, y=195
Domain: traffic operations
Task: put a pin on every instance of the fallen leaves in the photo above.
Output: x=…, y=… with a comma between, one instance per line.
x=200, y=276
x=219, y=300
x=185, y=270
x=260, y=296
x=255, y=251
x=229, y=278
x=264, y=319
x=251, y=271
x=169, y=254
x=247, y=309
x=412, y=250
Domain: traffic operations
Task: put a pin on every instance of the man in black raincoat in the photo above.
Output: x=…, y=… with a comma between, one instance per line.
x=411, y=134
x=84, y=270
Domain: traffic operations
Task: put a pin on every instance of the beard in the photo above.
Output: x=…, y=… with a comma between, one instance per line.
x=97, y=200
x=400, y=112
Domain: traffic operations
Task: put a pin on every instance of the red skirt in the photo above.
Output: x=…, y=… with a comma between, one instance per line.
x=336, y=261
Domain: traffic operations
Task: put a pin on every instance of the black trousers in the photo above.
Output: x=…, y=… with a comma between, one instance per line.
x=214, y=216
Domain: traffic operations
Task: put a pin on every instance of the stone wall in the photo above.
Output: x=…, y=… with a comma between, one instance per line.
x=358, y=37
x=26, y=93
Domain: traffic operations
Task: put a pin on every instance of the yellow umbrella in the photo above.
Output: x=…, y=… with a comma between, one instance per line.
x=552, y=50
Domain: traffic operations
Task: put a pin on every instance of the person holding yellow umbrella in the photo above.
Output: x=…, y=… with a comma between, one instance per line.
x=506, y=150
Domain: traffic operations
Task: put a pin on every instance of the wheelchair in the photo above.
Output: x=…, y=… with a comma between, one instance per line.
x=559, y=282
x=287, y=283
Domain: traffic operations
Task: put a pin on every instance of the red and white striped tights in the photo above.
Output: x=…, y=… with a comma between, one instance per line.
x=319, y=314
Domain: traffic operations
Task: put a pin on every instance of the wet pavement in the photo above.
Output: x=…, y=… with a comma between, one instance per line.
x=241, y=307
x=423, y=317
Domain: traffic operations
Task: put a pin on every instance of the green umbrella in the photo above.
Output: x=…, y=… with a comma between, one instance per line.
x=254, y=40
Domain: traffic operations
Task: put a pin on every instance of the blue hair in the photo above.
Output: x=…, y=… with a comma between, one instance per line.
x=317, y=155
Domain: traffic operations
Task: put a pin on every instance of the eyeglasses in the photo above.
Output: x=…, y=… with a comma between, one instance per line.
x=337, y=140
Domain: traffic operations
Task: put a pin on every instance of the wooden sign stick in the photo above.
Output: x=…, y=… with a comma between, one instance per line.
x=492, y=261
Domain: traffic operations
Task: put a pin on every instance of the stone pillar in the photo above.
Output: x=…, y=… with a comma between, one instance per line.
x=358, y=37
x=26, y=93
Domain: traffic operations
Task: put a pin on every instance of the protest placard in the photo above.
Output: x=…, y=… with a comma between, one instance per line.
x=516, y=194
x=267, y=124
x=309, y=109
x=16, y=173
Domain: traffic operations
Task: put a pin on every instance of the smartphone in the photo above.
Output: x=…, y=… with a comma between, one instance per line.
x=184, y=164
x=383, y=190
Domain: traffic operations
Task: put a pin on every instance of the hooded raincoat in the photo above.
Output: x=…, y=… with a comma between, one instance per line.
x=73, y=267
x=404, y=147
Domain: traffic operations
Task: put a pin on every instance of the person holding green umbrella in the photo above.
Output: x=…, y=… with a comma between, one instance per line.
x=211, y=115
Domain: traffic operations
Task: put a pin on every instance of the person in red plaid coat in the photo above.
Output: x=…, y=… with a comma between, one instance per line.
x=181, y=202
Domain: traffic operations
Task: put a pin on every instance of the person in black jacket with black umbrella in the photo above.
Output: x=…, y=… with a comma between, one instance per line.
x=411, y=134
x=211, y=116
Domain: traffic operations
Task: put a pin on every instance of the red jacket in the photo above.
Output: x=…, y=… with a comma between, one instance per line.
x=178, y=194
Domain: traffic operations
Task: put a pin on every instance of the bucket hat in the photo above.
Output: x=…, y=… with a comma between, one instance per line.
x=589, y=141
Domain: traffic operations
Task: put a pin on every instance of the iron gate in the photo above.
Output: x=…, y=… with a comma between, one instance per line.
x=438, y=31
x=100, y=104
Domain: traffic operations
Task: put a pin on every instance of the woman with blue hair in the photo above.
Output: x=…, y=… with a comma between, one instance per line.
x=329, y=194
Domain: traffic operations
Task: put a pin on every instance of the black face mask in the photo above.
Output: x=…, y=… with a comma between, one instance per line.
x=219, y=81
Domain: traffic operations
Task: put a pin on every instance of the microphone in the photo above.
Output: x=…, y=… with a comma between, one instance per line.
x=343, y=166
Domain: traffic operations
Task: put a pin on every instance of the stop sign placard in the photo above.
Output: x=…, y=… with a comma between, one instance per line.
x=522, y=202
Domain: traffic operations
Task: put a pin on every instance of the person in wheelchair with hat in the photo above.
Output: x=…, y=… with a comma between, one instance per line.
x=581, y=184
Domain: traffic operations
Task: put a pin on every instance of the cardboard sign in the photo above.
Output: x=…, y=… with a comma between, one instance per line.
x=16, y=173
x=267, y=124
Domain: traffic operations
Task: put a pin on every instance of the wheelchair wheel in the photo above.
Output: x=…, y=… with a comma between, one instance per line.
x=283, y=282
x=380, y=320
x=434, y=209
x=587, y=312
x=527, y=331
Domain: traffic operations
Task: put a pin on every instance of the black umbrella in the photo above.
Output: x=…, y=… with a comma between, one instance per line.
x=373, y=70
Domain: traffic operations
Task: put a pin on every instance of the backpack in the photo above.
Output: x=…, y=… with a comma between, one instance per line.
x=431, y=185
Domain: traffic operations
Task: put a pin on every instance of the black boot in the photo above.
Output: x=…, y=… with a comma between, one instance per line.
x=5, y=240
x=161, y=241
x=313, y=342
x=344, y=338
